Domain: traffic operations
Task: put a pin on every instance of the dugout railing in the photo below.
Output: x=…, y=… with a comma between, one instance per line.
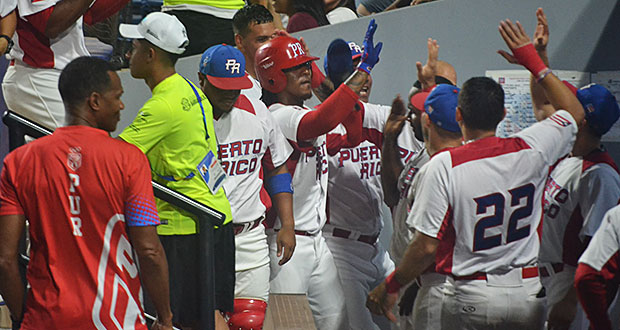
x=20, y=127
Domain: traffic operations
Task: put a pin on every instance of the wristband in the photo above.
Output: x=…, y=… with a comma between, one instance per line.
x=279, y=183
x=543, y=74
x=9, y=41
x=529, y=58
x=391, y=284
x=364, y=67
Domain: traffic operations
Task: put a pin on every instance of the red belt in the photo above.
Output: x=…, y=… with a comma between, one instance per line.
x=557, y=267
x=528, y=272
x=343, y=233
x=247, y=226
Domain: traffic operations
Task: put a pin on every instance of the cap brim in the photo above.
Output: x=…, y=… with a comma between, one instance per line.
x=130, y=31
x=418, y=100
x=230, y=83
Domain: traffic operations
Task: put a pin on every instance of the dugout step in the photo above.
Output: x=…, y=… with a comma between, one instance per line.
x=288, y=312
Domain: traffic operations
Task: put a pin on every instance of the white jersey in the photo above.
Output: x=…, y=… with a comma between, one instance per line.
x=308, y=166
x=403, y=232
x=355, y=194
x=489, y=191
x=7, y=6
x=245, y=151
x=45, y=53
x=605, y=243
x=578, y=193
x=255, y=92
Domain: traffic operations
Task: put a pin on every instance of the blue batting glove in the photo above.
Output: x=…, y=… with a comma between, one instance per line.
x=370, y=57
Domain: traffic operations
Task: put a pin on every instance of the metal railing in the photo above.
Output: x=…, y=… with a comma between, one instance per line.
x=19, y=127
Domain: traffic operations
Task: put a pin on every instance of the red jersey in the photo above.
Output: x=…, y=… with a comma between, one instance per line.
x=79, y=189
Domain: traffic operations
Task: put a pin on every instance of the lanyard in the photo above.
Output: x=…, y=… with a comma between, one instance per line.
x=204, y=121
x=204, y=118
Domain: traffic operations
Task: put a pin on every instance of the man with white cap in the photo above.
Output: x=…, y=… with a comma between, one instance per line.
x=251, y=155
x=175, y=130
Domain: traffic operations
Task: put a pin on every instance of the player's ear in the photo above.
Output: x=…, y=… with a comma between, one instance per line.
x=458, y=116
x=201, y=79
x=94, y=101
x=238, y=42
x=426, y=120
x=504, y=115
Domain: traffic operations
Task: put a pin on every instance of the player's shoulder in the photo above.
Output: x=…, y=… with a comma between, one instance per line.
x=599, y=160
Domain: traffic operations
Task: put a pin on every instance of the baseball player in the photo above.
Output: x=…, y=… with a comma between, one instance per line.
x=596, y=276
x=248, y=153
x=425, y=300
x=284, y=71
x=355, y=204
x=579, y=190
x=89, y=202
x=489, y=191
x=253, y=26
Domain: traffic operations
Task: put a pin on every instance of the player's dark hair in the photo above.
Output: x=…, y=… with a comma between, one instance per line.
x=247, y=15
x=481, y=101
x=81, y=77
x=269, y=98
x=316, y=9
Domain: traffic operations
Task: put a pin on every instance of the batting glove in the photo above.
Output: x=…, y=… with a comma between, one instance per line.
x=370, y=57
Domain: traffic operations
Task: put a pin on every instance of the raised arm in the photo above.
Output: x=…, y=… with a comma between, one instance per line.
x=558, y=94
x=339, y=104
x=391, y=164
x=427, y=72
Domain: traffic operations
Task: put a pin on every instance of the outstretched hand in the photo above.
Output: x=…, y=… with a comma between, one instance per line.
x=396, y=120
x=370, y=57
x=426, y=73
x=541, y=36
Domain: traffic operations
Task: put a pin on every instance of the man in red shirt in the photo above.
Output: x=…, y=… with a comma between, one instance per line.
x=90, y=206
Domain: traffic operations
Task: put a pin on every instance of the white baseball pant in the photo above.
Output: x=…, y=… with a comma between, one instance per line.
x=500, y=302
x=312, y=271
x=252, y=264
x=33, y=93
x=361, y=267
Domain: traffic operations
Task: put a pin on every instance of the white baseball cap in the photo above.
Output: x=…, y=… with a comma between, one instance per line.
x=162, y=30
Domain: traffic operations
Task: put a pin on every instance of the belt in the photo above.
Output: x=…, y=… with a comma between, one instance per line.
x=527, y=272
x=557, y=267
x=247, y=226
x=343, y=233
x=300, y=232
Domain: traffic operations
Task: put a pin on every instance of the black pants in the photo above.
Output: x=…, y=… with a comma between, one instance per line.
x=204, y=30
x=183, y=263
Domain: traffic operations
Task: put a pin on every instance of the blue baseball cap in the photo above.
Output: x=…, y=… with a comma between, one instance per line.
x=224, y=67
x=356, y=50
x=440, y=105
x=601, y=107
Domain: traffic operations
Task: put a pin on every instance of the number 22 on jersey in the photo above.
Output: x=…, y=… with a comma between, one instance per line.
x=521, y=199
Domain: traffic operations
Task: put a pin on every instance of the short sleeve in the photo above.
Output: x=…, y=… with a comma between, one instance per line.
x=375, y=116
x=431, y=203
x=7, y=6
x=553, y=137
x=9, y=202
x=599, y=191
x=140, y=209
x=150, y=125
x=278, y=148
x=288, y=118
x=605, y=242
